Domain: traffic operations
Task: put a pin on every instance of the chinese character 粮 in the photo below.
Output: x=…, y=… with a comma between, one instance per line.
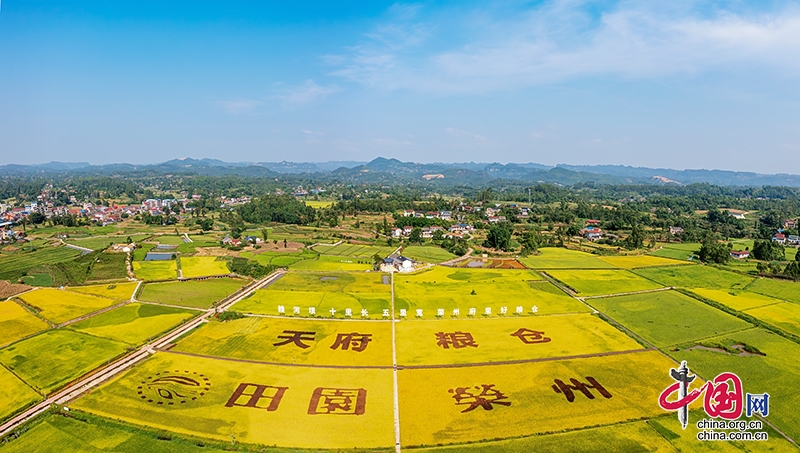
x=457, y=340
x=353, y=341
x=487, y=397
x=296, y=337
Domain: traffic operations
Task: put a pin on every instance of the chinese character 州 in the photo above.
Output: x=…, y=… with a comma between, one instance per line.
x=488, y=396
x=529, y=336
x=296, y=337
x=337, y=401
x=254, y=394
x=358, y=341
x=457, y=340
x=566, y=389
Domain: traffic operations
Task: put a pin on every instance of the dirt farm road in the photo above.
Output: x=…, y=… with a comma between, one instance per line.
x=103, y=374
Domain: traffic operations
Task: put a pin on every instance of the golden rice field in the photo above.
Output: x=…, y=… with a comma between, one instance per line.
x=203, y=266
x=326, y=342
x=431, y=414
x=297, y=419
x=600, y=282
x=17, y=323
x=155, y=270
x=118, y=291
x=633, y=262
x=449, y=341
x=59, y=306
x=14, y=394
x=282, y=381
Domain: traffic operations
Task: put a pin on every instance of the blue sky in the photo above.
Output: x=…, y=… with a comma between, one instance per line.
x=678, y=84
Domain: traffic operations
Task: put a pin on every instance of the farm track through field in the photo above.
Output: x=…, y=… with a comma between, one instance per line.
x=102, y=375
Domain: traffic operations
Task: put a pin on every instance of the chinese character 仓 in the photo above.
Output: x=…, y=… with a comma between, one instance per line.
x=529, y=336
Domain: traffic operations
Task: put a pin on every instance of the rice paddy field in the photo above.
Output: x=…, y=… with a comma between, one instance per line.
x=776, y=372
x=17, y=323
x=666, y=318
x=695, y=277
x=427, y=254
x=580, y=373
x=58, y=305
x=117, y=291
x=558, y=258
x=255, y=338
x=431, y=415
x=54, y=358
x=203, y=266
x=133, y=323
x=634, y=262
x=14, y=394
x=781, y=289
x=156, y=270
x=677, y=251
x=191, y=293
x=356, y=251
x=218, y=413
x=109, y=266
x=49, y=255
x=507, y=339
x=327, y=263
x=603, y=282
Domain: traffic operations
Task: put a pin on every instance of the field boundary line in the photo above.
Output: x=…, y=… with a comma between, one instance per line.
x=92, y=314
x=395, y=389
x=522, y=361
x=632, y=293
x=24, y=292
x=35, y=390
x=100, y=375
x=169, y=305
x=413, y=367
x=619, y=325
x=32, y=311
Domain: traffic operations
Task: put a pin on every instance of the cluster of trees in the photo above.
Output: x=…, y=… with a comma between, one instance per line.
x=243, y=266
x=276, y=208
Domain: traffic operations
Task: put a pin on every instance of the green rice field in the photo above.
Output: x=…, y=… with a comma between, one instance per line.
x=133, y=323
x=54, y=358
x=191, y=293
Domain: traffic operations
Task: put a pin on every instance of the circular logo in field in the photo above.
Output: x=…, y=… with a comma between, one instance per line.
x=169, y=388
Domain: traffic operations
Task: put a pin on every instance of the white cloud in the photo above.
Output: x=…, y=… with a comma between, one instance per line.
x=308, y=92
x=391, y=142
x=563, y=39
x=462, y=134
x=239, y=105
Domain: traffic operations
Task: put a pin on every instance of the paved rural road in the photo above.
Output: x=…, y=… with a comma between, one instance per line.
x=103, y=374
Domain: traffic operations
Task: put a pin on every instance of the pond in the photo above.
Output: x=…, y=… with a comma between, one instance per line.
x=151, y=256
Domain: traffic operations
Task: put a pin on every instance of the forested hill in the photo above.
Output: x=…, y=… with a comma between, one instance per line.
x=391, y=171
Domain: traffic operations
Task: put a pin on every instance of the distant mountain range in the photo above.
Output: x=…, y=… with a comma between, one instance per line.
x=382, y=170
